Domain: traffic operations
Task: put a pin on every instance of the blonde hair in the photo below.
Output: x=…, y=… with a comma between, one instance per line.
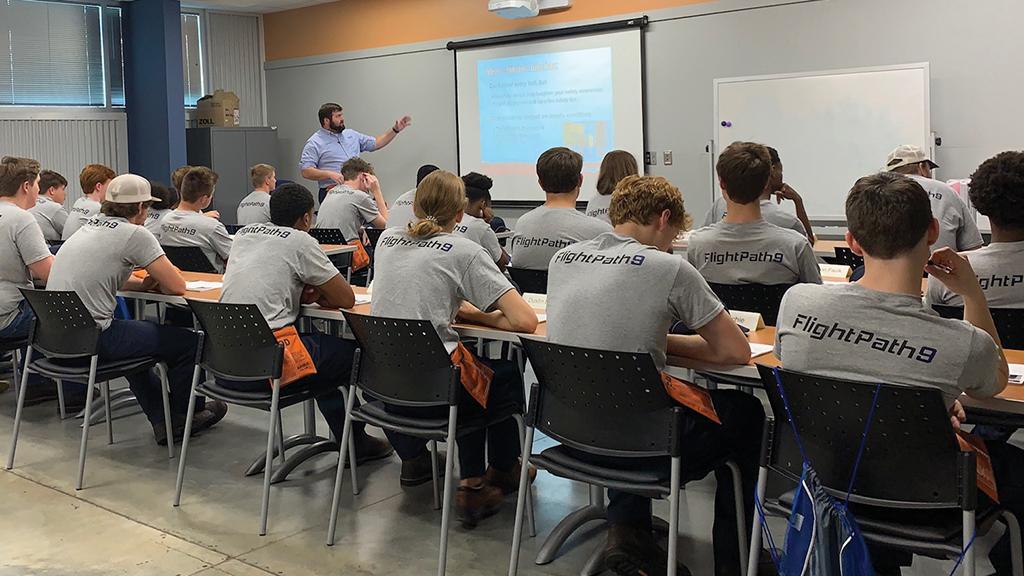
x=641, y=199
x=615, y=166
x=259, y=174
x=440, y=198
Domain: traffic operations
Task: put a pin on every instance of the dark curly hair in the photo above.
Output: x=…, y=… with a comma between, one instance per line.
x=997, y=189
x=478, y=187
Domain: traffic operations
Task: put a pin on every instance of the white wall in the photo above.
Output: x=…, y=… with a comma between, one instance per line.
x=975, y=50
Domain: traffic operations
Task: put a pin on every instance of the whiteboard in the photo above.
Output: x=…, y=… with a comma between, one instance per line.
x=829, y=127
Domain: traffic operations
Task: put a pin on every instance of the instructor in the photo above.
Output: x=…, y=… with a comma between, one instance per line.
x=330, y=146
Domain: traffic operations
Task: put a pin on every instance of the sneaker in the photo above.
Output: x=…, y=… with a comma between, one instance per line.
x=631, y=551
x=160, y=433
x=418, y=470
x=369, y=448
x=508, y=482
x=4, y=385
x=211, y=413
x=475, y=503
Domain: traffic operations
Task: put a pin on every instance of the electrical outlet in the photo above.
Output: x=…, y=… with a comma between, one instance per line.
x=650, y=158
x=667, y=157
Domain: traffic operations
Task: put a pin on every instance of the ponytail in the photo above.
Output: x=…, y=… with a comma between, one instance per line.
x=440, y=197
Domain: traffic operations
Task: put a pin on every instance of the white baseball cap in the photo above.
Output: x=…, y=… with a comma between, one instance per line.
x=129, y=189
x=906, y=155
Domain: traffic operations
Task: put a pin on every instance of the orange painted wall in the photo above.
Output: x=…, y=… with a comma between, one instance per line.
x=361, y=24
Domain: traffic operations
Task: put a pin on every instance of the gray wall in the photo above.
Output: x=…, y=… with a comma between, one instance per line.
x=974, y=47
x=235, y=62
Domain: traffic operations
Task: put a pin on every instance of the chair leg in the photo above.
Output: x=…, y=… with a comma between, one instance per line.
x=352, y=464
x=165, y=387
x=524, y=474
x=673, y=521
x=530, y=522
x=15, y=355
x=755, y=529
x=967, y=565
x=339, y=476
x=105, y=390
x=446, y=503
x=741, y=519
x=280, y=438
x=61, y=406
x=1013, y=527
x=21, y=406
x=85, y=423
x=269, y=465
x=184, y=439
x=435, y=485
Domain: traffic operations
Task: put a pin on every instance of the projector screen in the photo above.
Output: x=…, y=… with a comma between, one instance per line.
x=516, y=101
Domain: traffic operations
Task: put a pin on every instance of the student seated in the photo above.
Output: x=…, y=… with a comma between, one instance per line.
x=957, y=229
x=187, y=226
x=355, y=202
x=770, y=209
x=255, y=208
x=97, y=262
x=615, y=166
x=630, y=307
x=49, y=209
x=891, y=225
x=427, y=273
x=744, y=248
x=93, y=179
x=556, y=224
x=997, y=191
x=400, y=211
x=473, y=225
x=176, y=178
x=165, y=200
x=277, y=266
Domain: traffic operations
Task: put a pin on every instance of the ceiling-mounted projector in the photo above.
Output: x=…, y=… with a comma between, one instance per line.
x=525, y=8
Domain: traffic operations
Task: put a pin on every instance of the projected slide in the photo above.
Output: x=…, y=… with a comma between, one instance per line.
x=531, y=103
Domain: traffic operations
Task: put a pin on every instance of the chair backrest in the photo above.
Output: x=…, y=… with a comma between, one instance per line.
x=1009, y=323
x=189, y=259
x=237, y=343
x=761, y=298
x=845, y=256
x=63, y=328
x=328, y=235
x=373, y=235
x=533, y=281
x=910, y=457
x=602, y=402
x=233, y=228
x=403, y=361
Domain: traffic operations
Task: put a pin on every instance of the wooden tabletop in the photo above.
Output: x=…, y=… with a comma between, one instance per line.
x=333, y=249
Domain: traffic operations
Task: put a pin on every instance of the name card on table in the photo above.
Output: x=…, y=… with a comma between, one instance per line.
x=1017, y=374
x=835, y=271
x=538, y=301
x=750, y=320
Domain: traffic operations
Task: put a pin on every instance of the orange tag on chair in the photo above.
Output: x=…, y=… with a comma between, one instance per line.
x=693, y=397
x=297, y=363
x=360, y=258
x=986, y=477
x=475, y=375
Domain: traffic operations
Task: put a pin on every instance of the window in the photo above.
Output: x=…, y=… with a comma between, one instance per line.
x=192, y=58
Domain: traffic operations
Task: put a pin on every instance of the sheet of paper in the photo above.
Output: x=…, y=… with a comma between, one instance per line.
x=362, y=298
x=542, y=317
x=202, y=286
x=1017, y=374
x=760, y=349
x=538, y=301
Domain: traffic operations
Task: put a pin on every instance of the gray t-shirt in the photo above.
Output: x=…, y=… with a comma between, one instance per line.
x=427, y=279
x=270, y=265
x=614, y=293
x=98, y=260
x=187, y=228
x=254, y=209
x=1000, y=270
x=956, y=227
x=21, y=244
x=400, y=212
x=154, y=218
x=479, y=231
x=771, y=211
x=51, y=218
x=347, y=210
x=752, y=253
x=851, y=332
x=543, y=231
x=598, y=206
x=83, y=209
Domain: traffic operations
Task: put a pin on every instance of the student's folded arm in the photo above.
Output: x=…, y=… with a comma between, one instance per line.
x=336, y=293
x=504, y=260
x=517, y=312
x=720, y=341
x=380, y=221
x=166, y=276
x=41, y=269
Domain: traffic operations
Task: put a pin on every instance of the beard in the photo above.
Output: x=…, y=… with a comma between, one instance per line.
x=338, y=128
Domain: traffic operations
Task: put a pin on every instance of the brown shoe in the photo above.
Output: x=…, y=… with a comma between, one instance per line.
x=631, y=551
x=477, y=502
x=508, y=482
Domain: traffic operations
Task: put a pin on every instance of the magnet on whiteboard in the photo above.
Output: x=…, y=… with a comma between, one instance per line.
x=726, y=124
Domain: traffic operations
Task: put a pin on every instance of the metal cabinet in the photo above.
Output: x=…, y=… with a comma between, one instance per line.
x=230, y=152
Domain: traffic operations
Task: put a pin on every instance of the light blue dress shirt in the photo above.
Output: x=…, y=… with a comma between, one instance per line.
x=326, y=150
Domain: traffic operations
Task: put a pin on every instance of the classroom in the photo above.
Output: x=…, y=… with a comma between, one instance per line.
x=524, y=287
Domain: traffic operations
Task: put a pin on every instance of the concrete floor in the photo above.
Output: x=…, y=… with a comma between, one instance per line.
x=123, y=521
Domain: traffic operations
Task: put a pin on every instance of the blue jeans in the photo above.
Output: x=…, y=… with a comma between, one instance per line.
x=174, y=346
x=19, y=328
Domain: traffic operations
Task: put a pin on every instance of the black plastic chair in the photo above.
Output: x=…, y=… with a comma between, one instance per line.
x=237, y=344
x=532, y=281
x=328, y=235
x=845, y=256
x=14, y=346
x=761, y=298
x=233, y=228
x=1009, y=323
x=911, y=463
x=608, y=404
x=404, y=363
x=189, y=259
x=65, y=331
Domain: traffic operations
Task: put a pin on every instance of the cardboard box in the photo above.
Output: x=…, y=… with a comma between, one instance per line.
x=217, y=109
